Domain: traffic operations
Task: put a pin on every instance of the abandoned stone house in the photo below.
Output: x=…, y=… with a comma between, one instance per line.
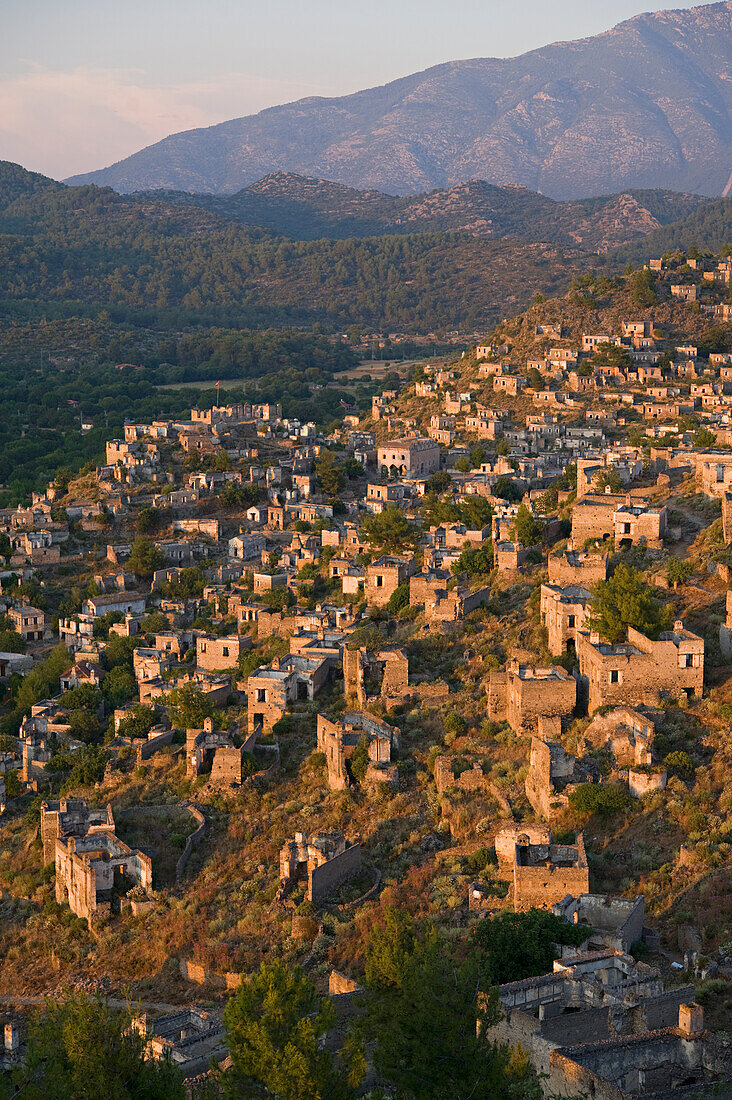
x=443, y=604
x=617, y=516
x=289, y=679
x=29, y=622
x=543, y=873
x=369, y=675
x=213, y=653
x=385, y=675
x=551, y=777
x=190, y=1038
x=322, y=861
x=553, y=774
x=602, y=1025
x=318, y=644
x=522, y=694
x=628, y=734
x=93, y=866
x=384, y=576
x=714, y=473
x=214, y=750
x=563, y=612
x=338, y=741
x=635, y=525
x=613, y=922
x=577, y=567
x=415, y=456
x=640, y=670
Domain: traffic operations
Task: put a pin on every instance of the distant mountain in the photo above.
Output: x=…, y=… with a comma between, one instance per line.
x=646, y=105
x=307, y=209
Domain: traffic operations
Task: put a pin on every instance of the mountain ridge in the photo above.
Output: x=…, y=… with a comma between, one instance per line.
x=306, y=208
x=645, y=104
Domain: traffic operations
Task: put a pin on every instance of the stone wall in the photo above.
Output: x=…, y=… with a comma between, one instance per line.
x=154, y=744
x=540, y=887
x=531, y=698
x=191, y=841
x=226, y=766
x=569, y=569
x=328, y=877
x=637, y=673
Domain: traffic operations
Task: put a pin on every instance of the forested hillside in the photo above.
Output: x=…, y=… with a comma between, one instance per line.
x=708, y=227
x=79, y=251
x=306, y=209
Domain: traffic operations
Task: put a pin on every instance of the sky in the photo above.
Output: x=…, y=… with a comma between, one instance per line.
x=84, y=83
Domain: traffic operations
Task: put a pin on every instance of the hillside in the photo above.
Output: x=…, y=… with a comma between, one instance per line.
x=17, y=183
x=646, y=104
x=82, y=250
x=710, y=227
x=307, y=209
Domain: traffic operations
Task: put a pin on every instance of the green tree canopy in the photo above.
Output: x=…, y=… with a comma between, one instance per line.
x=390, y=532
x=138, y=723
x=475, y=560
x=330, y=476
x=274, y=1024
x=678, y=571
x=512, y=946
x=507, y=489
x=190, y=707
x=80, y=1049
x=144, y=557
x=625, y=600
x=526, y=528
x=430, y=1020
x=399, y=598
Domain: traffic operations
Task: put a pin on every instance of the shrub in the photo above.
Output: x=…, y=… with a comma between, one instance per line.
x=603, y=799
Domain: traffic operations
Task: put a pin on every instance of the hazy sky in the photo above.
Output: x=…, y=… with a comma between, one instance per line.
x=84, y=83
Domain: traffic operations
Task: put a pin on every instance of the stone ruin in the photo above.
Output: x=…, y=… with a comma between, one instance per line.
x=601, y=1024
x=523, y=694
x=611, y=922
x=321, y=860
x=384, y=676
x=190, y=1038
x=212, y=749
x=338, y=741
x=543, y=873
x=94, y=868
x=626, y=734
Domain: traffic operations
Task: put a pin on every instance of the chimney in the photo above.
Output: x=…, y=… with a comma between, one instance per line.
x=594, y=639
x=678, y=625
x=691, y=1020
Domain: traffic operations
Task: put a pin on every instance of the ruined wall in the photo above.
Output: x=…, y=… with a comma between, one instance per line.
x=323, y=880
x=530, y=699
x=153, y=744
x=330, y=742
x=642, y=782
x=727, y=517
x=589, y=571
x=226, y=766
x=592, y=518
x=497, y=696
x=191, y=841
x=541, y=887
